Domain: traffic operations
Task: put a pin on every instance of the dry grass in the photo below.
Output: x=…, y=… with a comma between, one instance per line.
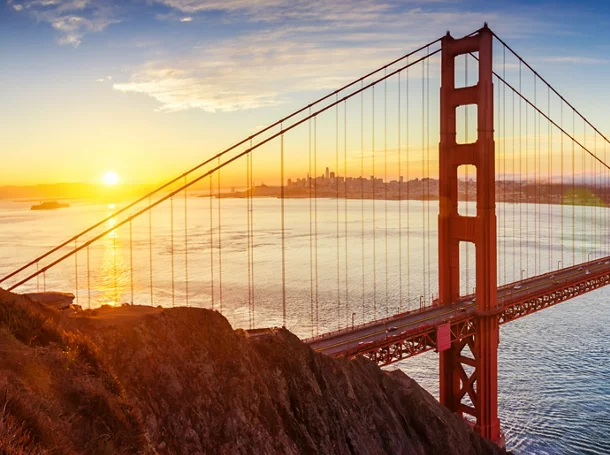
x=56, y=394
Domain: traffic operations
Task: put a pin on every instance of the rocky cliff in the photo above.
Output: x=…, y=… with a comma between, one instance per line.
x=144, y=380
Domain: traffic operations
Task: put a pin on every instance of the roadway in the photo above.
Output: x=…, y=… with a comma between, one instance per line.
x=400, y=326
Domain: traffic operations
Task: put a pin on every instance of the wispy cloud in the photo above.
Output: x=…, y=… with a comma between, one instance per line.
x=72, y=19
x=196, y=6
x=276, y=47
x=297, y=46
x=104, y=79
x=576, y=60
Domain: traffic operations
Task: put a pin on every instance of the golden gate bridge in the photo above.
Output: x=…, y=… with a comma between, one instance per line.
x=445, y=285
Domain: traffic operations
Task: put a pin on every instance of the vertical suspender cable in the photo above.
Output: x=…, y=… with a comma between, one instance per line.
x=171, y=224
x=131, y=259
x=114, y=254
x=374, y=201
x=498, y=127
x=537, y=246
x=337, y=210
x=504, y=240
x=408, y=192
x=211, y=195
x=309, y=177
x=219, y=238
x=563, y=198
x=550, y=178
x=596, y=194
x=423, y=148
x=252, y=232
x=427, y=63
x=539, y=191
x=466, y=176
x=362, y=188
x=385, y=184
x=535, y=140
x=345, y=210
x=606, y=224
x=150, y=257
x=315, y=204
x=527, y=184
x=186, y=248
x=513, y=168
x=88, y=279
x=605, y=202
x=573, y=194
x=399, y=202
x=249, y=247
x=593, y=185
x=520, y=182
x=76, y=270
x=583, y=193
x=283, y=232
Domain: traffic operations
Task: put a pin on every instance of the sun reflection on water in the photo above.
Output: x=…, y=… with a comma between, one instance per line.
x=113, y=268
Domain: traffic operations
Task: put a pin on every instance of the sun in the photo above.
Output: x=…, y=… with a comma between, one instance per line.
x=110, y=178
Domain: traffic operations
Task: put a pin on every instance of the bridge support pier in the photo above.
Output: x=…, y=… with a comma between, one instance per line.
x=469, y=369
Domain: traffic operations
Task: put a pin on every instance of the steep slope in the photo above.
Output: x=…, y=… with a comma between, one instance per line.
x=183, y=381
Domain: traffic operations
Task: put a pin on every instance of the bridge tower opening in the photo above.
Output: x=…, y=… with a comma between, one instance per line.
x=469, y=368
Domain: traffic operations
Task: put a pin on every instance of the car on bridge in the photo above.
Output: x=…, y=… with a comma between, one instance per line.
x=364, y=344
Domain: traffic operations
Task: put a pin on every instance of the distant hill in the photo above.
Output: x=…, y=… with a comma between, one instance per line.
x=67, y=191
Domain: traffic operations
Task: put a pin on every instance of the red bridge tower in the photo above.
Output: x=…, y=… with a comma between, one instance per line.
x=473, y=374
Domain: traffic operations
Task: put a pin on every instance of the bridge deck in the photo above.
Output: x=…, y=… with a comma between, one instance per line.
x=407, y=334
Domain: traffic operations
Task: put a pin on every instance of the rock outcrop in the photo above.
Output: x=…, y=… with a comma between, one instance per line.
x=145, y=380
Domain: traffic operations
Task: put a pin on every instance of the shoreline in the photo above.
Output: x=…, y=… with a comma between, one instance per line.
x=243, y=195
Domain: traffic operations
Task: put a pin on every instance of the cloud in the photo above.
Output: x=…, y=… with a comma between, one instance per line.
x=201, y=88
x=196, y=6
x=104, y=79
x=186, y=19
x=297, y=46
x=576, y=60
x=72, y=19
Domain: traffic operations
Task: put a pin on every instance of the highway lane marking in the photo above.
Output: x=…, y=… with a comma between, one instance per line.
x=534, y=285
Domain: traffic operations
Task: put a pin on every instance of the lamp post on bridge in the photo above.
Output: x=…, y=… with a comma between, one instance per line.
x=589, y=255
x=558, y=262
x=522, y=270
x=353, y=314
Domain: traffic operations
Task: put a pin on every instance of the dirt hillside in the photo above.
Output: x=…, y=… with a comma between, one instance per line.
x=144, y=380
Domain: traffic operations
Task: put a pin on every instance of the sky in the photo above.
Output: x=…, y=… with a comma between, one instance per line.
x=148, y=88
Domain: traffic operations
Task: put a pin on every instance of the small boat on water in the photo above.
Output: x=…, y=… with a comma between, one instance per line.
x=50, y=205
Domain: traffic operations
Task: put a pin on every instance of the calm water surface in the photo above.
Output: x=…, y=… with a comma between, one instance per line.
x=554, y=374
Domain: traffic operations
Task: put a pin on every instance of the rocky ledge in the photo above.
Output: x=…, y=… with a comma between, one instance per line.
x=148, y=380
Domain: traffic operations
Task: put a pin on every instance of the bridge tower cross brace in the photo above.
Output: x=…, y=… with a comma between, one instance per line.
x=469, y=369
